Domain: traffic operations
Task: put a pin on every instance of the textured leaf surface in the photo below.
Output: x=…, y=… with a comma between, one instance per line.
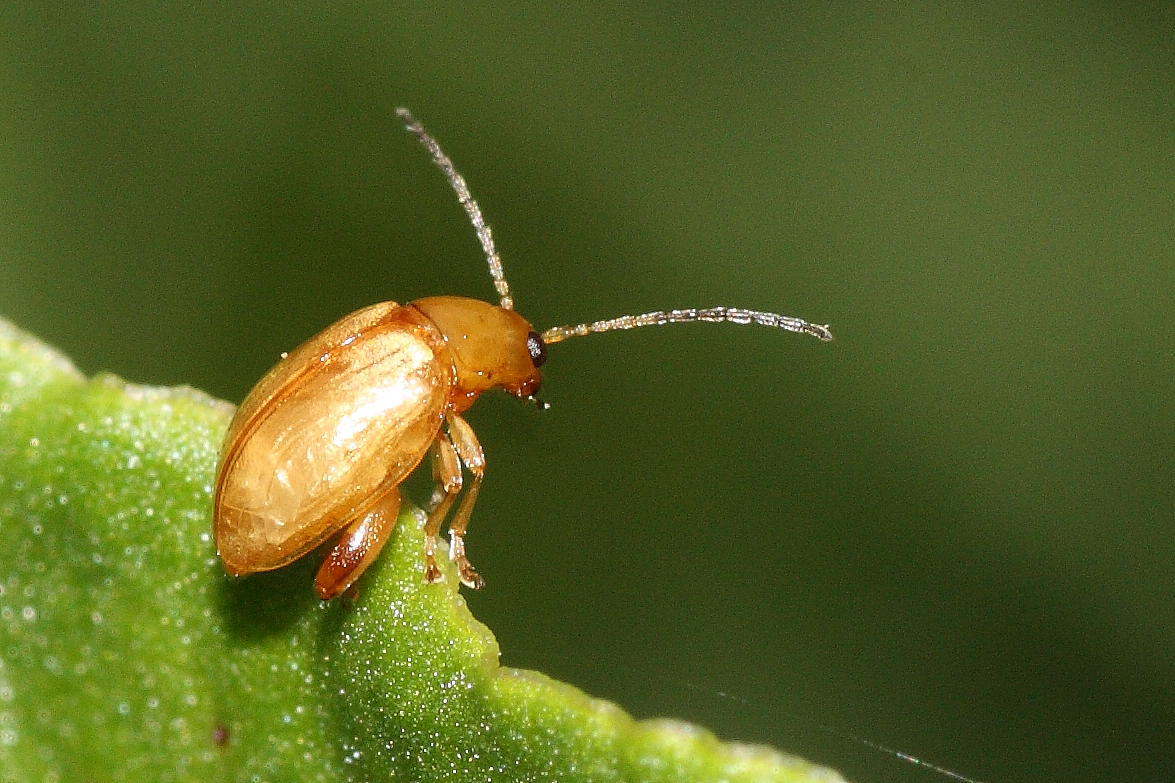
x=126, y=653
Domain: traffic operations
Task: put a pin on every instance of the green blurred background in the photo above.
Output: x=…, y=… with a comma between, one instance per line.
x=949, y=532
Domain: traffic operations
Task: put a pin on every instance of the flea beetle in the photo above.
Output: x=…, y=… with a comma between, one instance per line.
x=321, y=445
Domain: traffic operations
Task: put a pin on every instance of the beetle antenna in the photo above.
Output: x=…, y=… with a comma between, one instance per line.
x=734, y=315
x=484, y=234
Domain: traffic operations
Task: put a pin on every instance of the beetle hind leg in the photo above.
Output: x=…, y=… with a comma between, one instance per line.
x=359, y=545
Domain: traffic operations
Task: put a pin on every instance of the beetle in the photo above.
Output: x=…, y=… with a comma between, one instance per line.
x=322, y=443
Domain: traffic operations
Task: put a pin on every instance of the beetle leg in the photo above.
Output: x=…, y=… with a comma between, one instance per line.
x=439, y=471
x=359, y=545
x=467, y=447
x=446, y=469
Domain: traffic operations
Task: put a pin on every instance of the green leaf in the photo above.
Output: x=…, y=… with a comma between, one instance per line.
x=127, y=653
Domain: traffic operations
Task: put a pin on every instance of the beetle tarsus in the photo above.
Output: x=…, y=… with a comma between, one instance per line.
x=465, y=570
x=432, y=573
x=469, y=575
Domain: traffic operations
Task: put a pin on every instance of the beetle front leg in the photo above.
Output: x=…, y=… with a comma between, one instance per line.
x=359, y=545
x=446, y=471
x=469, y=449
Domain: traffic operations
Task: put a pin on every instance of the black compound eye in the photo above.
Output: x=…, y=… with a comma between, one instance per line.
x=537, y=348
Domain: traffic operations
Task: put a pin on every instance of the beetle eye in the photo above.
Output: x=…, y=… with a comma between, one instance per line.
x=537, y=348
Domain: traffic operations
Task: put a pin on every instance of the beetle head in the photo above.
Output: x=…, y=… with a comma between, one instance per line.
x=491, y=347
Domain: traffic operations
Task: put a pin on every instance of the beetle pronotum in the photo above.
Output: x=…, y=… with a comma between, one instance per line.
x=323, y=441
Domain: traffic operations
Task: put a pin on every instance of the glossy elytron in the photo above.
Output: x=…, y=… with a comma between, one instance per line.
x=320, y=446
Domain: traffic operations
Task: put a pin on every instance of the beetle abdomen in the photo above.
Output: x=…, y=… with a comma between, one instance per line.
x=330, y=436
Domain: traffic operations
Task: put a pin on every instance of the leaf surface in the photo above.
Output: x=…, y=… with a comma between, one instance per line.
x=127, y=653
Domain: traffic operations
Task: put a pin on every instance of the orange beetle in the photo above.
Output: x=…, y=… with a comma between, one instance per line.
x=323, y=442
